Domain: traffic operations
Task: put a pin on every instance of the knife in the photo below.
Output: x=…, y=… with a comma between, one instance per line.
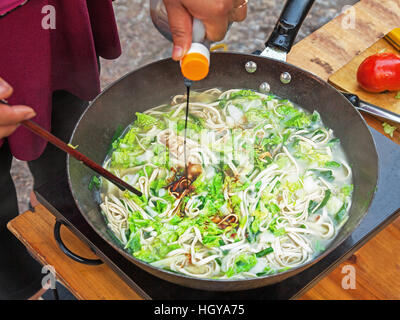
x=371, y=109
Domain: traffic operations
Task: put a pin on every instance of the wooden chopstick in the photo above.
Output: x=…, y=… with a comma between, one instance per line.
x=46, y=135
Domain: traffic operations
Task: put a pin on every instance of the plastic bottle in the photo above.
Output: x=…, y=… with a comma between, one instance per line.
x=196, y=63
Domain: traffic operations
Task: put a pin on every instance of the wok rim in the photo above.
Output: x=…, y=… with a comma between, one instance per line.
x=280, y=276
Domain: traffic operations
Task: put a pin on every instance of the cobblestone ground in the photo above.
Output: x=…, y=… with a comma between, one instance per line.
x=142, y=44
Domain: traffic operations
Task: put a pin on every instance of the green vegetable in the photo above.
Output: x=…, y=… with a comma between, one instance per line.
x=243, y=263
x=95, y=182
x=267, y=270
x=277, y=232
x=264, y=252
x=324, y=200
x=299, y=121
x=347, y=190
x=287, y=110
x=146, y=122
x=252, y=233
x=175, y=220
x=243, y=93
x=332, y=164
x=312, y=205
x=318, y=247
x=326, y=174
x=128, y=140
x=388, y=129
x=190, y=126
x=273, y=208
x=211, y=241
x=115, y=137
x=134, y=243
x=339, y=216
x=332, y=142
x=315, y=117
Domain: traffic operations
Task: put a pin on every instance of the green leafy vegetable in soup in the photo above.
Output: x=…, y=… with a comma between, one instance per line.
x=267, y=187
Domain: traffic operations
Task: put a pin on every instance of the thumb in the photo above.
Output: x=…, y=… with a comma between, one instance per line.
x=180, y=23
x=14, y=115
x=5, y=89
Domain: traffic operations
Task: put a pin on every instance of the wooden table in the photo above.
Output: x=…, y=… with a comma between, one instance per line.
x=322, y=53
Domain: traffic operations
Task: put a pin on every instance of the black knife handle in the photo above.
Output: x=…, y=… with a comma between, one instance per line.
x=290, y=21
x=371, y=109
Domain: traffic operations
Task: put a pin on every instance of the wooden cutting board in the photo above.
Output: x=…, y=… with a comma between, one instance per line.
x=345, y=78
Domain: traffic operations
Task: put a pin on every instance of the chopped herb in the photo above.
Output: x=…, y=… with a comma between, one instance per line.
x=341, y=214
x=332, y=164
x=264, y=252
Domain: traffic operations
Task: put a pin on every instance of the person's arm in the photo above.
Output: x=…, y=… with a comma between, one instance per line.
x=215, y=15
x=10, y=117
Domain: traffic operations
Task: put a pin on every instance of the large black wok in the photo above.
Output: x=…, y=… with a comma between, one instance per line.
x=157, y=82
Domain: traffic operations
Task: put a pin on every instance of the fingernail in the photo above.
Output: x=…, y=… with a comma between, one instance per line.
x=29, y=115
x=25, y=112
x=177, y=52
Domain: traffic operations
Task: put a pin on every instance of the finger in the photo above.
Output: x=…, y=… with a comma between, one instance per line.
x=13, y=115
x=180, y=23
x=6, y=131
x=215, y=31
x=5, y=89
x=217, y=19
x=239, y=13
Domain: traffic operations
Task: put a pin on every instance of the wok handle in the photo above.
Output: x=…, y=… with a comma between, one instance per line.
x=69, y=253
x=289, y=23
x=371, y=109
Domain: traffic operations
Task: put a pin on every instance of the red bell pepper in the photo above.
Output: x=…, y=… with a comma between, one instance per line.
x=380, y=72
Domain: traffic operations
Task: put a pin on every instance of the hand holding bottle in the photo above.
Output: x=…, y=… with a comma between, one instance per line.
x=214, y=14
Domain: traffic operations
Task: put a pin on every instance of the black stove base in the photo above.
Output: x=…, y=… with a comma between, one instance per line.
x=385, y=208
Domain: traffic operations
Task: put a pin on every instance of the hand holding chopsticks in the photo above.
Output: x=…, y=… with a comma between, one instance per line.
x=46, y=135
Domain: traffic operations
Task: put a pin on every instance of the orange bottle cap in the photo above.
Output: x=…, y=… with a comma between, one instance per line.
x=195, y=66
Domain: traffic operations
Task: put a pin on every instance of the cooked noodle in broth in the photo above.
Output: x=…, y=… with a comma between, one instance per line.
x=268, y=186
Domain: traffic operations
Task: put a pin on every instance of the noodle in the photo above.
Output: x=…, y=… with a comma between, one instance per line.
x=269, y=186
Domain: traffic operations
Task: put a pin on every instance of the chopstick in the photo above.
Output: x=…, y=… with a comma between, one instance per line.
x=46, y=135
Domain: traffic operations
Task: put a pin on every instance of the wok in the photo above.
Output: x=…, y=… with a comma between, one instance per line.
x=157, y=82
